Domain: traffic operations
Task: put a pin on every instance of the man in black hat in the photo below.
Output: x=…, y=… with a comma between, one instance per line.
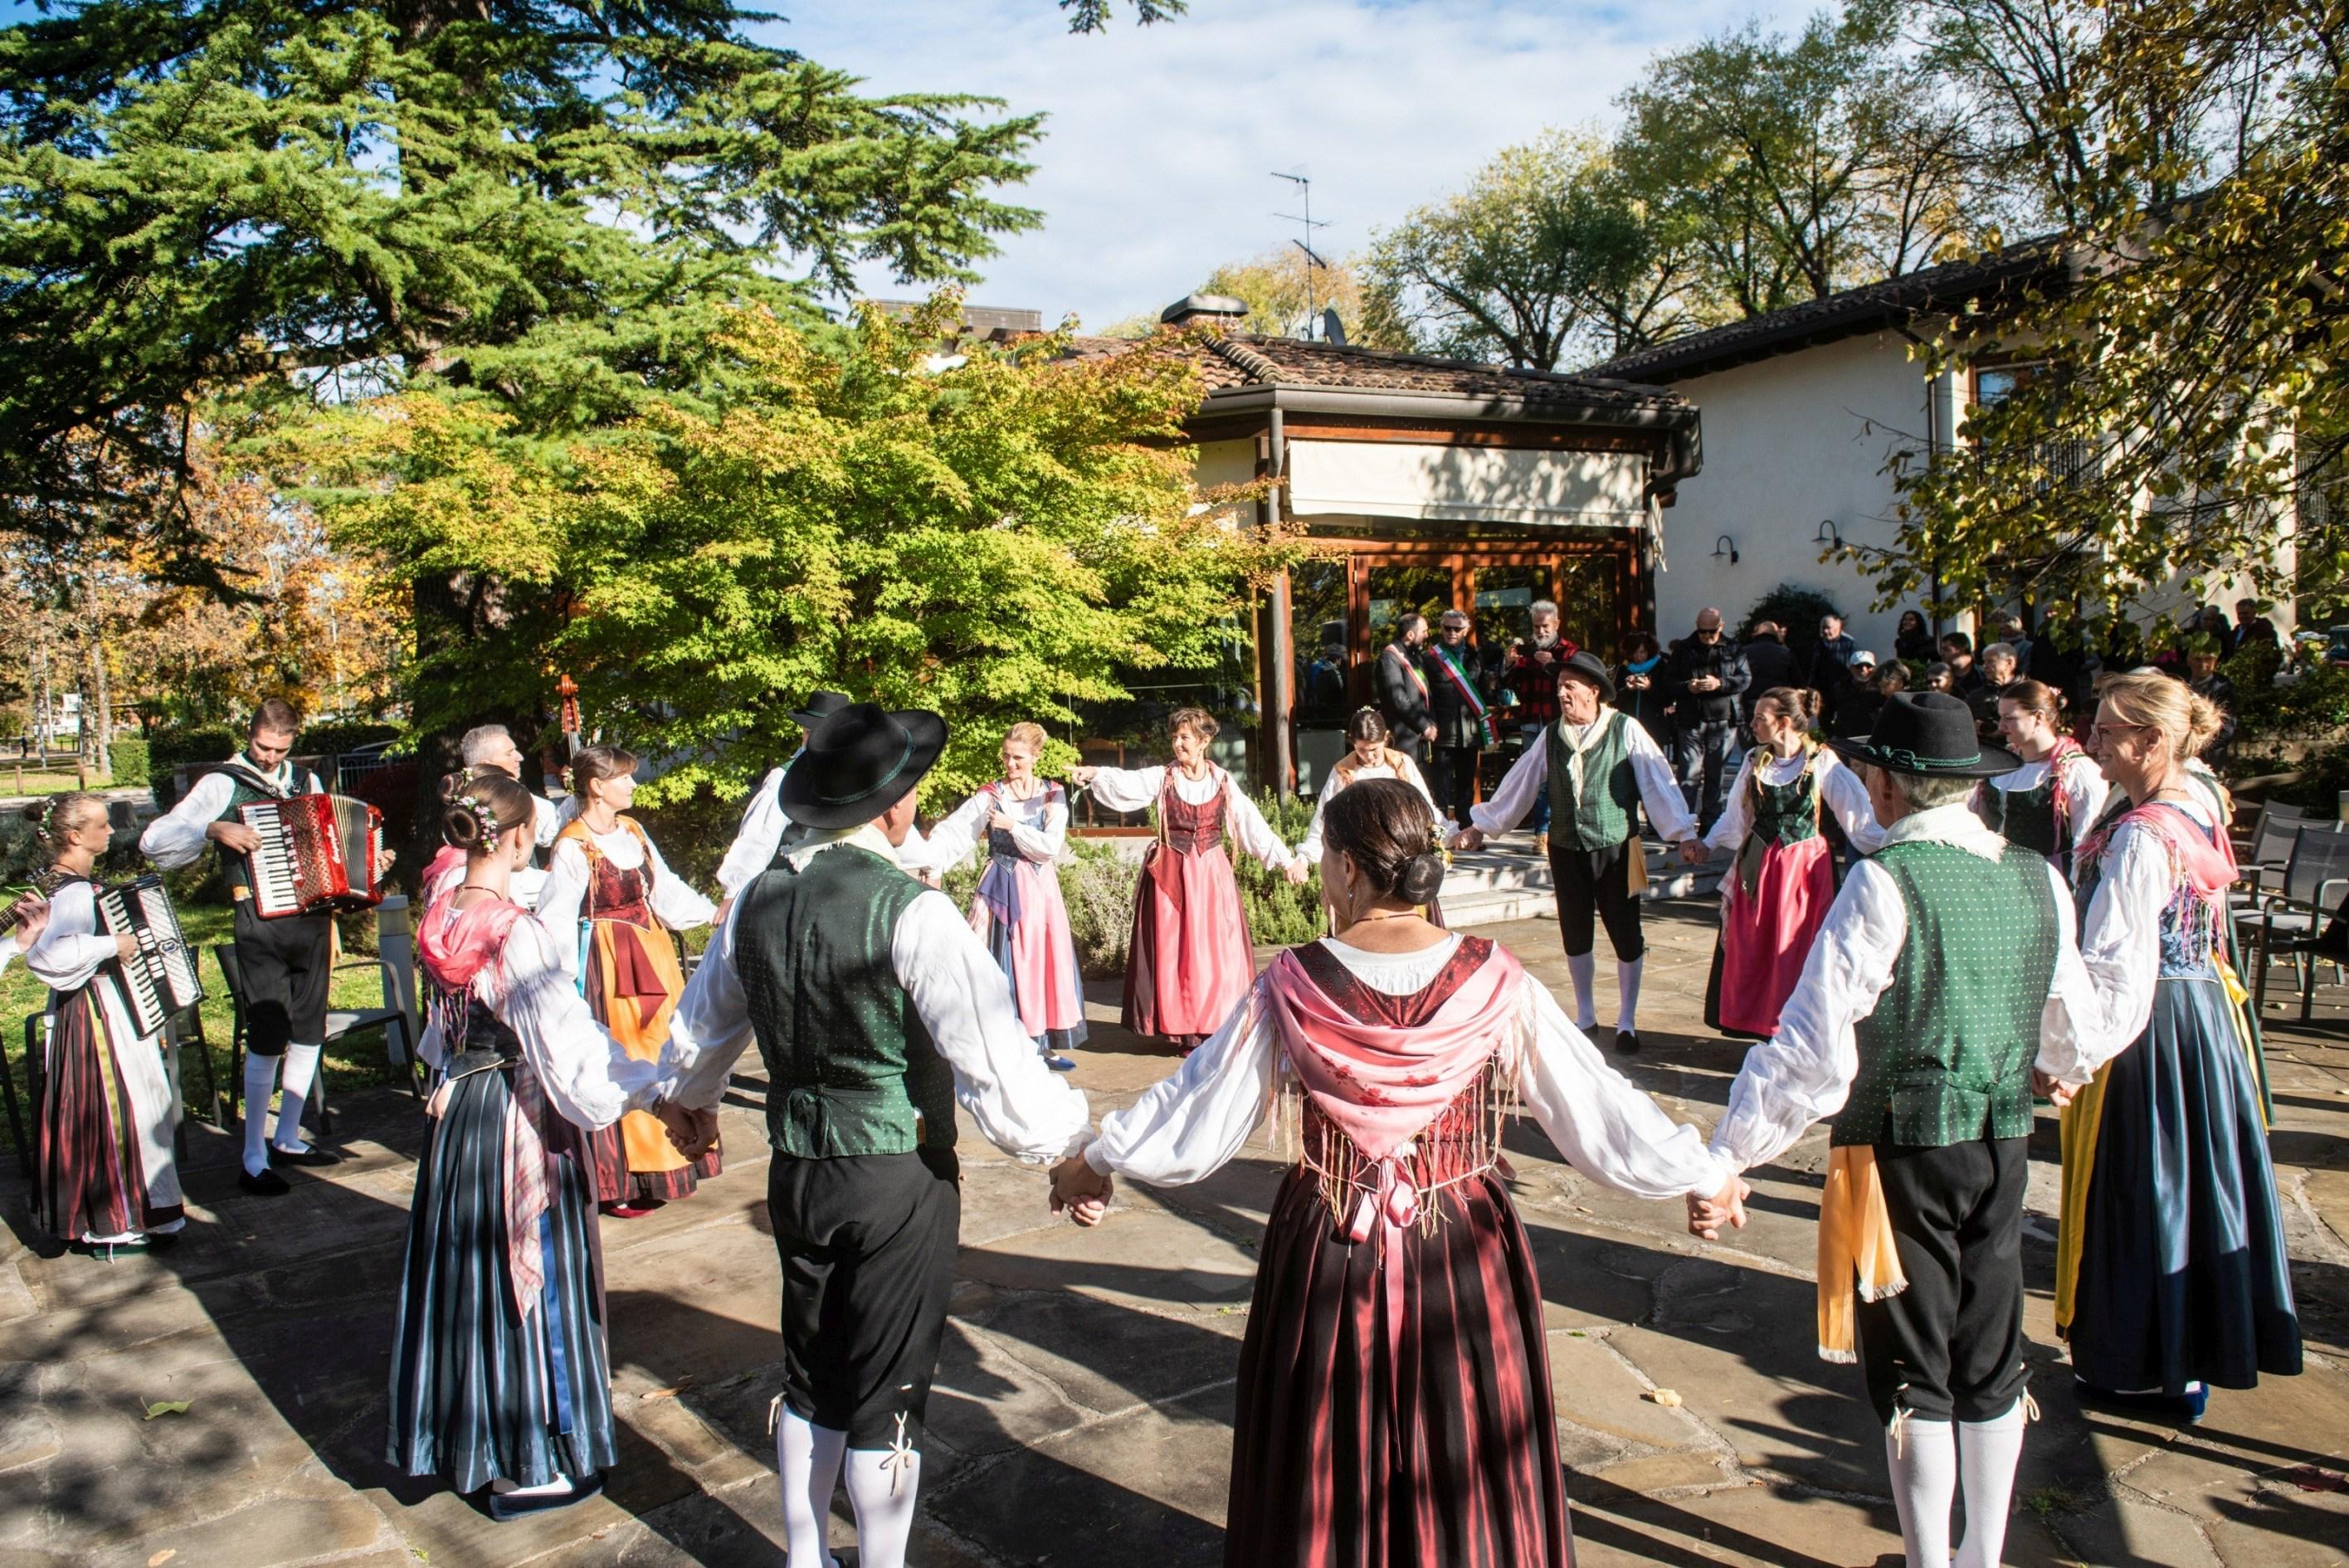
x=877, y=1012
x=1599, y=767
x=1946, y=978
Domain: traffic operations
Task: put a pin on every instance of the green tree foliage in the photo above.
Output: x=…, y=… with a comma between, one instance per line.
x=544, y=202
x=996, y=536
x=2187, y=402
x=1285, y=293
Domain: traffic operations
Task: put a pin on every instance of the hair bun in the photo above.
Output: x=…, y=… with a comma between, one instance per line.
x=1422, y=878
x=453, y=784
x=460, y=826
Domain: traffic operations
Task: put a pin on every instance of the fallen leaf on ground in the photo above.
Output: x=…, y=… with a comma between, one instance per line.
x=167, y=1408
x=162, y=1557
x=665, y=1393
x=1670, y=1398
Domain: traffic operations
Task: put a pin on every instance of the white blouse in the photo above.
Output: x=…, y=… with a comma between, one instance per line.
x=1188, y=1126
x=764, y=823
x=1839, y=787
x=589, y=1078
x=1310, y=850
x=562, y=903
x=2084, y=787
x=176, y=838
x=2120, y=939
x=1133, y=788
x=1040, y=826
x=1659, y=787
x=73, y=953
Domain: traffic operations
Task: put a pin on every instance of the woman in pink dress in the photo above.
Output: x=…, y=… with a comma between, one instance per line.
x=1776, y=892
x=1394, y=1392
x=1189, y=959
x=1018, y=912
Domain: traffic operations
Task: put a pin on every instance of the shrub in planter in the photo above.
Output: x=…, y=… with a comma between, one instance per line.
x=1098, y=884
x=1280, y=913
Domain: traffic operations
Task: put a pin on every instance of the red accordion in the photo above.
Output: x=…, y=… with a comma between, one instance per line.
x=318, y=852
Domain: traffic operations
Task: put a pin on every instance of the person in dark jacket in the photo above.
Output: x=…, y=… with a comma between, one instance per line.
x=1864, y=698
x=1531, y=670
x=1640, y=689
x=1402, y=689
x=1957, y=651
x=1769, y=660
x=1705, y=677
x=2202, y=675
x=1827, y=668
x=1458, y=704
x=1999, y=674
x=1913, y=642
x=2252, y=629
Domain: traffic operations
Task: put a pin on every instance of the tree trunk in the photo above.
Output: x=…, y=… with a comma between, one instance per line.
x=102, y=759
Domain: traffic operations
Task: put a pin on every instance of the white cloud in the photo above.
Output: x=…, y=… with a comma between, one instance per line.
x=1160, y=142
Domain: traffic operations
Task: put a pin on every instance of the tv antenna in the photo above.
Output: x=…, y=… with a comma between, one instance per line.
x=1304, y=184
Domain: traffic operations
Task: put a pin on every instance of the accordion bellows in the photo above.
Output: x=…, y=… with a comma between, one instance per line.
x=318, y=852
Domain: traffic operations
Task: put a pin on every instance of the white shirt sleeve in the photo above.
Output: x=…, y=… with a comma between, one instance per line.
x=9, y=948
x=1846, y=797
x=1659, y=787
x=2076, y=1028
x=949, y=843
x=564, y=898
x=1040, y=839
x=176, y=838
x=71, y=950
x=1736, y=808
x=1804, y=1072
x=1520, y=786
x=677, y=902
x=589, y=1078
x=757, y=838
x=1308, y=848
x=1127, y=789
x=1001, y=1080
x=711, y=1024
x=1602, y=1124
x=2087, y=789
x=1251, y=831
x=1185, y=1128
x=2120, y=950
x=546, y=820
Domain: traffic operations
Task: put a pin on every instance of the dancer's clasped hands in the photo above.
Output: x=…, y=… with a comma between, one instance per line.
x=693, y=1132
x=1080, y=1192
x=1707, y=1215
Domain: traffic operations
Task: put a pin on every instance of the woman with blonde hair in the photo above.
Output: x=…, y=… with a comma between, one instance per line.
x=1189, y=958
x=1018, y=911
x=612, y=902
x=2055, y=797
x=2171, y=1276
x=1782, y=877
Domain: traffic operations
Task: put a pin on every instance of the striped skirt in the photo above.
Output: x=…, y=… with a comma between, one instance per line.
x=102, y=1139
x=1394, y=1397
x=478, y=1391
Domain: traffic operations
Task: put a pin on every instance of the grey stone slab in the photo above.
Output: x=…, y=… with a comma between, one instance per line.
x=278, y=1530
x=1593, y=1389
x=1152, y=1260
x=2132, y=1533
x=1104, y=1356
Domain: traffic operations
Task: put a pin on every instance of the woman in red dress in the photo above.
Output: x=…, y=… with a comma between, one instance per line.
x=1395, y=1393
x=1189, y=959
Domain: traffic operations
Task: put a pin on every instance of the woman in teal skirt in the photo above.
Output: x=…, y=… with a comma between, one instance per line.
x=500, y=1374
x=2171, y=1277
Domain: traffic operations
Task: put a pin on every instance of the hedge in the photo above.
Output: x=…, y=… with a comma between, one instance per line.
x=127, y=761
x=179, y=746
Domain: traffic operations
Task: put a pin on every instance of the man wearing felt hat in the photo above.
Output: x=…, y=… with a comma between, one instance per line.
x=877, y=1012
x=1944, y=981
x=1599, y=767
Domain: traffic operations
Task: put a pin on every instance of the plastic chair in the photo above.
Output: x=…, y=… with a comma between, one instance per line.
x=339, y=1025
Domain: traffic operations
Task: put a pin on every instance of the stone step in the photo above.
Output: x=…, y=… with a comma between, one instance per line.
x=1504, y=881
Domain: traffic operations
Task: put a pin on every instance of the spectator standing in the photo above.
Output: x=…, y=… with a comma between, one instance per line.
x=2202, y=675
x=1705, y=677
x=1456, y=705
x=1957, y=651
x=1998, y=674
x=1640, y=689
x=2252, y=629
x=1531, y=670
x=1769, y=660
x=1938, y=676
x=1856, y=715
x=1403, y=688
x=1913, y=641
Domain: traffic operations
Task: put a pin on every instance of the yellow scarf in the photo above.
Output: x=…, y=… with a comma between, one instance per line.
x=1857, y=1251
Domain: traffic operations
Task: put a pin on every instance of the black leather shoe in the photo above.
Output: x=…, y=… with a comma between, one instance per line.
x=1627, y=1042
x=303, y=1156
x=268, y=1184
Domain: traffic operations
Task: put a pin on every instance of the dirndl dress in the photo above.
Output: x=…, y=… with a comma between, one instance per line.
x=1020, y=915
x=1189, y=961
x=1774, y=901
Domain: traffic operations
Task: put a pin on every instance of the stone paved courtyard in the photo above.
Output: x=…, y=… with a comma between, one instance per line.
x=1084, y=1406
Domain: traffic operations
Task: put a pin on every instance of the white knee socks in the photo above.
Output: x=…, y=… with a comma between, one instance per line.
x=807, y=1460
x=260, y=1078
x=881, y=1487
x=1626, y=992
x=1581, y=965
x=293, y=1090
x=1988, y=1453
x=1923, y=1455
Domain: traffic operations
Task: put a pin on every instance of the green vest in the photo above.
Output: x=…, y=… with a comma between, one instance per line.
x=241, y=794
x=1601, y=817
x=850, y=1069
x=1946, y=1056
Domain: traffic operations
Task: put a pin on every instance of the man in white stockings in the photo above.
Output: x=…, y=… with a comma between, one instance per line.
x=287, y=963
x=1945, y=980
x=878, y=1011
x=1598, y=767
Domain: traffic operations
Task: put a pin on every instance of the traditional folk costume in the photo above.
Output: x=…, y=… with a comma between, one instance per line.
x=286, y=964
x=1945, y=970
x=103, y=1171
x=1189, y=960
x=1394, y=1390
x=1782, y=880
x=2048, y=805
x=2171, y=1274
x=1392, y=764
x=1018, y=911
x=877, y=1011
x=1597, y=776
x=501, y=1368
x=612, y=902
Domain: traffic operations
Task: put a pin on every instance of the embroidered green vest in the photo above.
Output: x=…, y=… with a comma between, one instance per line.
x=1784, y=813
x=850, y=1069
x=1601, y=816
x=1946, y=1056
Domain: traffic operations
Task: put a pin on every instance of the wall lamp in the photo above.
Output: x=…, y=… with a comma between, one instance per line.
x=1828, y=533
x=1728, y=546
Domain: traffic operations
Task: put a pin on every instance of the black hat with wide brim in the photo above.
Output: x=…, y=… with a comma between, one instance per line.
x=1930, y=734
x=821, y=706
x=1587, y=665
x=861, y=759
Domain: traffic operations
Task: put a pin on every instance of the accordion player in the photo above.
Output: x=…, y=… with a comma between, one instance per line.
x=317, y=854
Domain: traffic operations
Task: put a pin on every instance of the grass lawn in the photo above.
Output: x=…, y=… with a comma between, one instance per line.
x=347, y=1065
x=34, y=781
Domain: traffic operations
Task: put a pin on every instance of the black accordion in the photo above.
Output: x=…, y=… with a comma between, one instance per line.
x=160, y=978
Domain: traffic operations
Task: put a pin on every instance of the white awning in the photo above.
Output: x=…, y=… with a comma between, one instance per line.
x=1467, y=484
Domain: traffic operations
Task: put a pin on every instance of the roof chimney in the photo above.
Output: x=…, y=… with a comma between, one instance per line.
x=1204, y=310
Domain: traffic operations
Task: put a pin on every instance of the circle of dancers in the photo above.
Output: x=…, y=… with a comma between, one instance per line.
x=1922, y=934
